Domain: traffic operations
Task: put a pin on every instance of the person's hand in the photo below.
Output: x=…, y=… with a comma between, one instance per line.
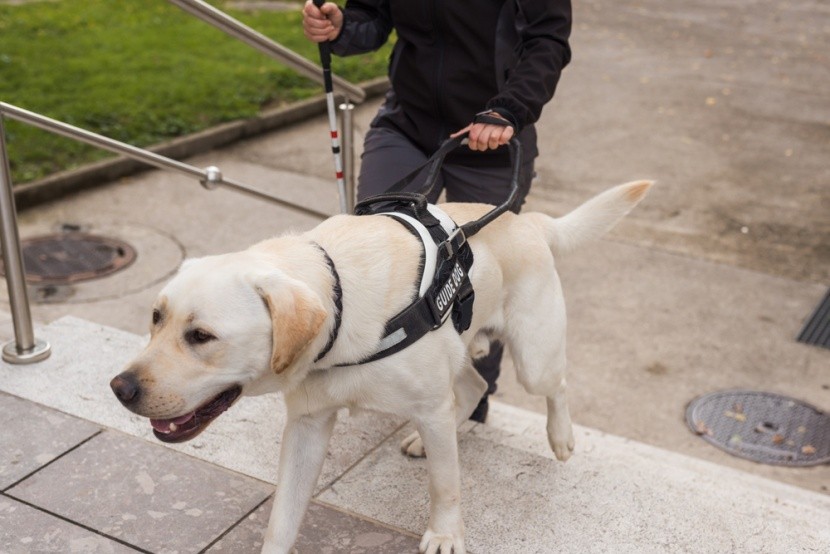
x=323, y=23
x=487, y=136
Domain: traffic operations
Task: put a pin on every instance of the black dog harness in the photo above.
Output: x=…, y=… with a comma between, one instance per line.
x=445, y=290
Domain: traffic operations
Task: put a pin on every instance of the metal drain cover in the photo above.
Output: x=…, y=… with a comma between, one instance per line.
x=762, y=427
x=817, y=329
x=71, y=257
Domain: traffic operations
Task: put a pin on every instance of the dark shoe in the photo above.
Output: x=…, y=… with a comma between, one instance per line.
x=480, y=413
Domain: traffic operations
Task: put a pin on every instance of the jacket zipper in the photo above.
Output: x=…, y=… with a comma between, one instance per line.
x=439, y=89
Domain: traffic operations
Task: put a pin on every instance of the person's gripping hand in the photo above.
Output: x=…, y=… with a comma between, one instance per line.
x=323, y=23
x=487, y=136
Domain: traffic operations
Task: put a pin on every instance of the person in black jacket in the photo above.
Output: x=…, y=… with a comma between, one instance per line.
x=482, y=66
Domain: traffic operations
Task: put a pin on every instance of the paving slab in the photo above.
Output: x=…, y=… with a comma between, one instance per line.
x=86, y=356
x=325, y=531
x=614, y=495
x=27, y=530
x=143, y=494
x=32, y=436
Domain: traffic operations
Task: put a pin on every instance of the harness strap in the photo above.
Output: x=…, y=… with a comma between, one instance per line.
x=337, y=296
x=451, y=295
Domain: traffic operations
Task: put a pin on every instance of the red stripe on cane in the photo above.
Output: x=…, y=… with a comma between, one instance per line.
x=334, y=134
x=338, y=174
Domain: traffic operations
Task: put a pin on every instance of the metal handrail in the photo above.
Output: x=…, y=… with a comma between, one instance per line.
x=351, y=93
x=26, y=348
x=235, y=28
x=210, y=177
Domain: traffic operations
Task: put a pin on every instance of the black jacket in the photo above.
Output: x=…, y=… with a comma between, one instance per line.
x=455, y=58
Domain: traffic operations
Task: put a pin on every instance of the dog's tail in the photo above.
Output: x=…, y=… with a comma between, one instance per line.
x=592, y=219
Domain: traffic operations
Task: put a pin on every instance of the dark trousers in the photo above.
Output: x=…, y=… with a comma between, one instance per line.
x=489, y=366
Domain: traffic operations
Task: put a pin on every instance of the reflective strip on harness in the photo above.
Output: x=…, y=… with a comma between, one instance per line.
x=430, y=250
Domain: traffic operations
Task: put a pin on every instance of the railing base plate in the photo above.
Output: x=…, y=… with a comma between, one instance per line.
x=12, y=355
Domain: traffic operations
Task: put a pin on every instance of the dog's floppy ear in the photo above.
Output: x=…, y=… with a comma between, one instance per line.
x=296, y=317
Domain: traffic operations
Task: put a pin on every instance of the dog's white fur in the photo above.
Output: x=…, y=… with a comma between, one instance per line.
x=271, y=310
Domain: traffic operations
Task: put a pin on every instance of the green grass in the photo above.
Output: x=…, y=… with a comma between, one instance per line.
x=141, y=71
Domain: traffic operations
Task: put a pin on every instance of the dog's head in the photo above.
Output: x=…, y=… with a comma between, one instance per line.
x=222, y=325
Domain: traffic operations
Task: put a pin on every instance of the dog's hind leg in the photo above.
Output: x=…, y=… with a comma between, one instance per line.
x=304, y=445
x=468, y=388
x=535, y=332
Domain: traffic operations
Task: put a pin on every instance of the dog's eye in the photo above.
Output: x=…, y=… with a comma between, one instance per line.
x=198, y=336
x=156, y=317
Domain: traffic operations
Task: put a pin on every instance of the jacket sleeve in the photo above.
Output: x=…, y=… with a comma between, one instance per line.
x=366, y=27
x=545, y=26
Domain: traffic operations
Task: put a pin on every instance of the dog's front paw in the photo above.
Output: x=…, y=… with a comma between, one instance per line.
x=561, y=442
x=276, y=549
x=412, y=446
x=433, y=543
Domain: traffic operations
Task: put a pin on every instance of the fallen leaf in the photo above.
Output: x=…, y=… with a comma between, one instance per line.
x=701, y=429
x=777, y=439
x=735, y=416
x=808, y=449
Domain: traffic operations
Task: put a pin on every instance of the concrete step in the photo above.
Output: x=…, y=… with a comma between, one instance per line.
x=614, y=495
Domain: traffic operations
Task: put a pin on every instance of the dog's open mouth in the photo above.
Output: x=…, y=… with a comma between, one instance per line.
x=187, y=426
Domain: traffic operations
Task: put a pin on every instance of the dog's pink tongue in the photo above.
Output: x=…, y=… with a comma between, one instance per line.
x=163, y=425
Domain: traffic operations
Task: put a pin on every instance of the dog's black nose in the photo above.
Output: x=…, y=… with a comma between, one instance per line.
x=125, y=387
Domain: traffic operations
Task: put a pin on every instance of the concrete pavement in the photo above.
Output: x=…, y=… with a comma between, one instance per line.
x=95, y=466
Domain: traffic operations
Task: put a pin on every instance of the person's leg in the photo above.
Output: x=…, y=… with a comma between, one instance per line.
x=387, y=157
x=490, y=185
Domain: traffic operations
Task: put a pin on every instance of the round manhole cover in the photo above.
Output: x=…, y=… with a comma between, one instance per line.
x=762, y=427
x=72, y=257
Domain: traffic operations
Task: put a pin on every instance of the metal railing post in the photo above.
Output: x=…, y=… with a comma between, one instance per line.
x=25, y=348
x=347, y=127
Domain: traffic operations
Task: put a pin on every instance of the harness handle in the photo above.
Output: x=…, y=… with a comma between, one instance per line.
x=473, y=227
x=437, y=159
x=375, y=204
x=434, y=163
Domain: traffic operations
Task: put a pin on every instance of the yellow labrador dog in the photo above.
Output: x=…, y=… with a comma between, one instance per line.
x=257, y=321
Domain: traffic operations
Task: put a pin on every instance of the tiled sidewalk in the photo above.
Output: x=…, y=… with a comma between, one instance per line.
x=69, y=485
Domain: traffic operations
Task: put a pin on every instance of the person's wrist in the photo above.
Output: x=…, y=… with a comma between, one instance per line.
x=493, y=117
